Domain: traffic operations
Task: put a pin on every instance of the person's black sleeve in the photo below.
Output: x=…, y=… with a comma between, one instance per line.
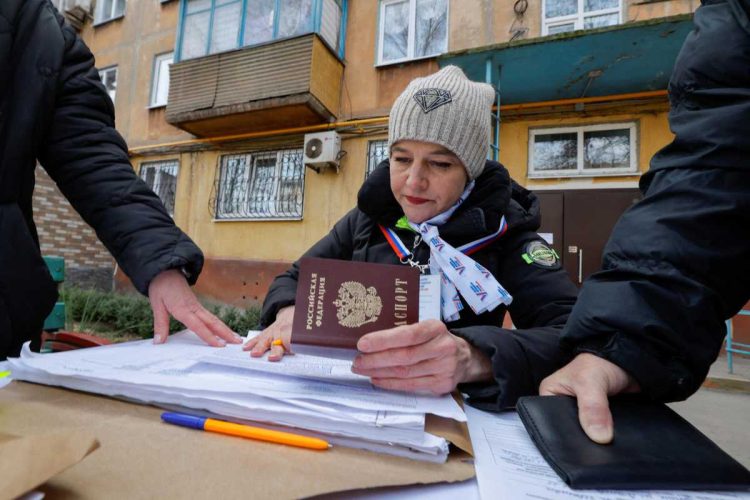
x=677, y=264
x=543, y=297
x=337, y=244
x=88, y=159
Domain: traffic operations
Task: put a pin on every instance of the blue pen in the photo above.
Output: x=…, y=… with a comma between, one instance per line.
x=246, y=431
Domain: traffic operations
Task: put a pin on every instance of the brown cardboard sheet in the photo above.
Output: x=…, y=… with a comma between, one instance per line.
x=140, y=457
x=26, y=462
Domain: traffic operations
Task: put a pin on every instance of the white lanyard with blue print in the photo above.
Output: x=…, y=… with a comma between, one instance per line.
x=458, y=272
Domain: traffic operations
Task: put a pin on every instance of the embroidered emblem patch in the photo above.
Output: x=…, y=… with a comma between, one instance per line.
x=541, y=255
x=429, y=99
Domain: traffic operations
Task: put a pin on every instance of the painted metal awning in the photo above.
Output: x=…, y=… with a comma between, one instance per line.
x=633, y=57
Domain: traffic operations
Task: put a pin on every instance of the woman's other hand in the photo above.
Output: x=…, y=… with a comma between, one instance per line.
x=423, y=357
x=281, y=329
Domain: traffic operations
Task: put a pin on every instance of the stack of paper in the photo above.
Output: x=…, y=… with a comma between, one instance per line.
x=313, y=390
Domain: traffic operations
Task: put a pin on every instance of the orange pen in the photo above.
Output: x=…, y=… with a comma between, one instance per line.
x=245, y=431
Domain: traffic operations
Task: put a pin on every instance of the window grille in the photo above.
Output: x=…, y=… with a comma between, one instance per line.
x=377, y=151
x=593, y=150
x=412, y=29
x=263, y=185
x=560, y=16
x=161, y=177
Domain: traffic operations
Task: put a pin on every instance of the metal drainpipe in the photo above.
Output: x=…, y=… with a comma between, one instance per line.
x=494, y=148
x=269, y=133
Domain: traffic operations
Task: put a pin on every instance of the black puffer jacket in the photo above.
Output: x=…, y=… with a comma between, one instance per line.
x=678, y=262
x=54, y=110
x=542, y=296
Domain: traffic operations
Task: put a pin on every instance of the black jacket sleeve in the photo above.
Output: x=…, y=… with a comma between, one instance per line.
x=337, y=244
x=676, y=266
x=88, y=159
x=543, y=297
x=678, y=263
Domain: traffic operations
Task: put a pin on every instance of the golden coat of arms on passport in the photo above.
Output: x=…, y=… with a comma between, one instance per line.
x=357, y=305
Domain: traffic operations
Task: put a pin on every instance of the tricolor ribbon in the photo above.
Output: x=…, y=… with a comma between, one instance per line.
x=459, y=273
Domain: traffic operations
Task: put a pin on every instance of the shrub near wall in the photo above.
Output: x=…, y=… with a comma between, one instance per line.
x=107, y=312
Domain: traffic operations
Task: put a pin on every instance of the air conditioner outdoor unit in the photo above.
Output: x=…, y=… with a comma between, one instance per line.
x=322, y=150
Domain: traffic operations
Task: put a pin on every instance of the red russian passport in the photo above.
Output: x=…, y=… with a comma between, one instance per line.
x=338, y=301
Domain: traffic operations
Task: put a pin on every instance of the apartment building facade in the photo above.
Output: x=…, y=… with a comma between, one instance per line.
x=227, y=104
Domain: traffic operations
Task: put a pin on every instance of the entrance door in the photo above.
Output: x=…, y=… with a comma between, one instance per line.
x=579, y=223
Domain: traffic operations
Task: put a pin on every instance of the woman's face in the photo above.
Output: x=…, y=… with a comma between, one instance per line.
x=426, y=178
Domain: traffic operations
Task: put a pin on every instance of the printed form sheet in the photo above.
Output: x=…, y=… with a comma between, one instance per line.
x=509, y=466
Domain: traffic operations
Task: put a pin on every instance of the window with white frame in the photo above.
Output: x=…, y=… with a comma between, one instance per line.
x=211, y=26
x=160, y=80
x=161, y=177
x=108, y=76
x=592, y=150
x=264, y=185
x=106, y=10
x=560, y=16
x=377, y=151
x=412, y=29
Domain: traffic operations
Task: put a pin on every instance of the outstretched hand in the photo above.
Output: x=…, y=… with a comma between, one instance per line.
x=591, y=380
x=170, y=294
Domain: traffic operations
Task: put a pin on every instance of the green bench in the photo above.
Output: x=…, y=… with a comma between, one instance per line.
x=53, y=339
x=56, y=319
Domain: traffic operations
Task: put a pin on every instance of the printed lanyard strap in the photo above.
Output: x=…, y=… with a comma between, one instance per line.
x=406, y=256
x=458, y=276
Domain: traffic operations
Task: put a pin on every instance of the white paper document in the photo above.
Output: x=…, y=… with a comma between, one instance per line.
x=307, y=390
x=509, y=466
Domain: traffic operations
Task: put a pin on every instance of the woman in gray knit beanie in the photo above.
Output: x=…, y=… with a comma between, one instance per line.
x=446, y=108
x=445, y=119
x=438, y=205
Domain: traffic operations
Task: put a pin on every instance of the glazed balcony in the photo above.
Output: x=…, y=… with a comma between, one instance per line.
x=286, y=83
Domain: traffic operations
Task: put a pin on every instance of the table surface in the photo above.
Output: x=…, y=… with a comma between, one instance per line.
x=141, y=457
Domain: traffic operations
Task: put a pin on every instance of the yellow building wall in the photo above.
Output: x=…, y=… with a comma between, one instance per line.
x=148, y=28
x=327, y=197
x=637, y=10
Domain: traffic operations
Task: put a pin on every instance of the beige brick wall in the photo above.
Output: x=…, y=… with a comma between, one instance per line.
x=63, y=233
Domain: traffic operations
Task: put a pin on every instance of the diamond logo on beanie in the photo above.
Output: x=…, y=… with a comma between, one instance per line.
x=429, y=99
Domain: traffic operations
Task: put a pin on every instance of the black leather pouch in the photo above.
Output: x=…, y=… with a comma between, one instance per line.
x=653, y=448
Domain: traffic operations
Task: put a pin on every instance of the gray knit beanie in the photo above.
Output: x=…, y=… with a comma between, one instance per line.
x=446, y=108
